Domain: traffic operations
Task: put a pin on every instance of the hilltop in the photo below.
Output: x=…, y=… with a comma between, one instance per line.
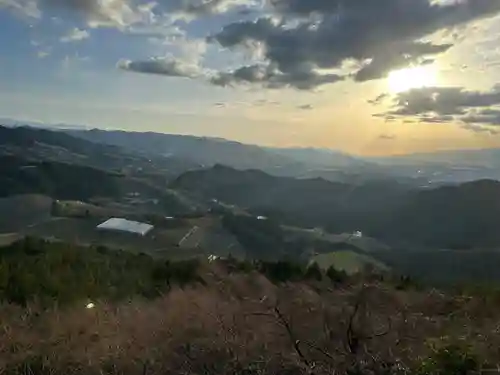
x=129, y=314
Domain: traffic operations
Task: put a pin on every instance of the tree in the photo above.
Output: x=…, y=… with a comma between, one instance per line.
x=313, y=272
x=335, y=275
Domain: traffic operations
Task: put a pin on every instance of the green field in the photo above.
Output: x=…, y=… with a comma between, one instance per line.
x=348, y=261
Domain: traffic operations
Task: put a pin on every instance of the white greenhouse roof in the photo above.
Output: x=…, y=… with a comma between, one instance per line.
x=125, y=225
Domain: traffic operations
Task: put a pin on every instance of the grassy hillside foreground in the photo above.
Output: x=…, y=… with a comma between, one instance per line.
x=231, y=318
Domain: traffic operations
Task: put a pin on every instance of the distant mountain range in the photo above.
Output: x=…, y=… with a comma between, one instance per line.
x=423, y=170
x=488, y=158
x=42, y=144
x=204, y=151
x=178, y=153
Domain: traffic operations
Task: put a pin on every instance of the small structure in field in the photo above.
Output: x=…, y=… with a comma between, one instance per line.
x=124, y=225
x=357, y=234
x=212, y=258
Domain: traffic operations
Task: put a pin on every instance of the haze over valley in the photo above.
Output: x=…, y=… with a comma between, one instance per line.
x=212, y=189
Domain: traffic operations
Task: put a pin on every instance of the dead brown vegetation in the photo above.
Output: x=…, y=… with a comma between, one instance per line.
x=244, y=324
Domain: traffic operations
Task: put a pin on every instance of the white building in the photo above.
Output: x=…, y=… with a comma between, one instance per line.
x=124, y=225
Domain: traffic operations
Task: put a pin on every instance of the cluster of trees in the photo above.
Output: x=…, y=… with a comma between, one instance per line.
x=262, y=239
x=34, y=269
x=445, y=267
x=266, y=239
x=38, y=270
x=288, y=271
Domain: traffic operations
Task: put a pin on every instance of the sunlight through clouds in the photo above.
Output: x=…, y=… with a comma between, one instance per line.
x=412, y=78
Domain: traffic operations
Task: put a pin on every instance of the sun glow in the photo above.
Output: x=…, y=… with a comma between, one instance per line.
x=411, y=78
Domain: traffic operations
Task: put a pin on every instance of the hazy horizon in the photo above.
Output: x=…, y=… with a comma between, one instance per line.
x=68, y=127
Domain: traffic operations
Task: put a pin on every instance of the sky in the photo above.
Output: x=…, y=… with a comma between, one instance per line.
x=369, y=77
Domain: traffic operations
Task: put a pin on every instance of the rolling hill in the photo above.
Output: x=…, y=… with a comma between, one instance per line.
x=462, y=216
x=50, y=145
x=200, y=150
x=58, y=180
x=76, y=182
x=303, y=202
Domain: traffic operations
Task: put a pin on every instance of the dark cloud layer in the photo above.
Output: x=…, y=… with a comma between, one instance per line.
x=383, y=34
x=485, y=116
x=273, y=78
x=443, y=101
x=472, y=109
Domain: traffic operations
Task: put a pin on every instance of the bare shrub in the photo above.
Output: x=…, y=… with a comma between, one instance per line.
x=243, y=324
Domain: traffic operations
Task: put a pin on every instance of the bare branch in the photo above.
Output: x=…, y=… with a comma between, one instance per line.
x=295, y=342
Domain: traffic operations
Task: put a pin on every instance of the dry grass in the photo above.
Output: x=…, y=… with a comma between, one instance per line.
x=243, y=324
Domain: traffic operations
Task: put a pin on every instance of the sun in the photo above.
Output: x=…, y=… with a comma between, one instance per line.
x=411, y=78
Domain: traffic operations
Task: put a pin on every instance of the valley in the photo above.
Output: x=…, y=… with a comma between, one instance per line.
x=62, y=186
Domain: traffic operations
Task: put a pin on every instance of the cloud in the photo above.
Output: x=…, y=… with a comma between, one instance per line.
x=71, y=61
x=481, y=129
x=162, y=66
x=42, y=54
x=189, y=54
x=324, y=34
x=387, y=137
x=100, y=13
x=265, y=102
x=443, y=101
x=435, y=119
x=125, y=13
x=473, y=110
x=210, y=7
x=270, y=77
x=379, y=99
x=382, y=64
x=305, y=107
x=486, y=116
x=27, y=8
x=75, y=35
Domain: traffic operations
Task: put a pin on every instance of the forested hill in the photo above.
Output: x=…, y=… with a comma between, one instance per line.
x=462, y=216
x=304, y=202
x=58, y=146
x=58, y=180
